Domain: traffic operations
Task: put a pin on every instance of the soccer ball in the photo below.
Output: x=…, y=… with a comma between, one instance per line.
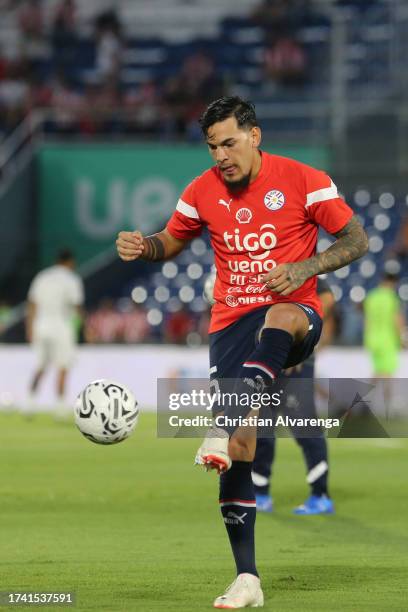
x=106, y=412
x=209, y=288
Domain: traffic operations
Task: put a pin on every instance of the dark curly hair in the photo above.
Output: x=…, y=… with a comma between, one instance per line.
x=229, y=106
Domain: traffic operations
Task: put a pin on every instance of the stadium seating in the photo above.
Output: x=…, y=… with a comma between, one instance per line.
x=237, y=45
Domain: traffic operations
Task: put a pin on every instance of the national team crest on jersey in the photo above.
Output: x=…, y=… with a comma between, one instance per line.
x=243, y=215
x=274, y=200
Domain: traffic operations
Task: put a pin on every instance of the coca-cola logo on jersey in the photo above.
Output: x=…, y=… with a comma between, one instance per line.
x=252, y=242
x=248, y=289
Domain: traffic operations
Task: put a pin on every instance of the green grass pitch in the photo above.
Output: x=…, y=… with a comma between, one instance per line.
x=136, y=526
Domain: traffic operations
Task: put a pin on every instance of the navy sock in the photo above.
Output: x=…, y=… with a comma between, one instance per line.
x=259, y=371
x=316, y=459
x=262, y=466
x=238, y=508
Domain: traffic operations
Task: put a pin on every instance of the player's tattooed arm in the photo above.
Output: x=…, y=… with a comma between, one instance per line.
x=158, y=247
x=351, y=243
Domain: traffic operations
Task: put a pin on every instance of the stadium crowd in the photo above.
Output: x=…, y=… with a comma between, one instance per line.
x=41, y=70
x=89, y=77
x=100, y=102
x=124, y=321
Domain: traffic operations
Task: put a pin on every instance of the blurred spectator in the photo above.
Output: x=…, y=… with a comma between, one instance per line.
x=135, y=327
x=64, y=24
x=278, y=16
x=124, y=322
x=108, y=45
x=31, y=19
x=14, y=92
x=67, y=105
x=104, y=324
x=109, y=100
x=34, y=44
x=273, y=15
x=40, y=93
x=89, y=116
x=178, y=325
x=99, y=106
x=64, y=34
x=187, y=93
x=143, y=106
x=285, y=61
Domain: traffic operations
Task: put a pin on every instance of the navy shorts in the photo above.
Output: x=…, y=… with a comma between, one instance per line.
x=231, y=346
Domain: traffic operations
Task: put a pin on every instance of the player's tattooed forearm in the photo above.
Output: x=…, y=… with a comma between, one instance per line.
x=299, y=272
x=153, y=248
x=351, y=244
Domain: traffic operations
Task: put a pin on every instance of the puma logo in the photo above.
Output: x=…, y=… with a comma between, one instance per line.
x=234, y=519
x=225, y=203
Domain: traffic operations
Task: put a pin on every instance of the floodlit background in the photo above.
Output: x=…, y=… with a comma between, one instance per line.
x=99, y=105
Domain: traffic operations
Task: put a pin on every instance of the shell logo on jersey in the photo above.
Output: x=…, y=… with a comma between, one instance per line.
x=274, y=200
x=243, y=215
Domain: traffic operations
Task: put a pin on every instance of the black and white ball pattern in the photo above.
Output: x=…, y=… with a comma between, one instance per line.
x=106, y=412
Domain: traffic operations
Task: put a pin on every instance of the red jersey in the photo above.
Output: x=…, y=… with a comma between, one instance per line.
x=273, y=221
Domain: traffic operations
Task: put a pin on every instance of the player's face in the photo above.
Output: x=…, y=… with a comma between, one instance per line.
x=235, y=151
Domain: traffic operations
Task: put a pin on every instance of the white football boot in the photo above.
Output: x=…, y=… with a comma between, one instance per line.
x=213, y=452
x=244, y=592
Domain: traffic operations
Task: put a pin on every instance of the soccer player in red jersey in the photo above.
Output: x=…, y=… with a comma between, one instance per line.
x=263, y=213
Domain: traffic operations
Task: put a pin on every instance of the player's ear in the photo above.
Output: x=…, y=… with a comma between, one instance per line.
x=256, y=137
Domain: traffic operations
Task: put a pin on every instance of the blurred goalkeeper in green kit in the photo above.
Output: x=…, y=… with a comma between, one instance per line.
x=383, y=330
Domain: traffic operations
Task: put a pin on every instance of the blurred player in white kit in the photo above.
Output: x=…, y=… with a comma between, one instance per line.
x=55, y=299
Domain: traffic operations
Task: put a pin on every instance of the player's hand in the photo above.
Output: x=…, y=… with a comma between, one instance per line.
x=286, y=278
x=129, y=245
